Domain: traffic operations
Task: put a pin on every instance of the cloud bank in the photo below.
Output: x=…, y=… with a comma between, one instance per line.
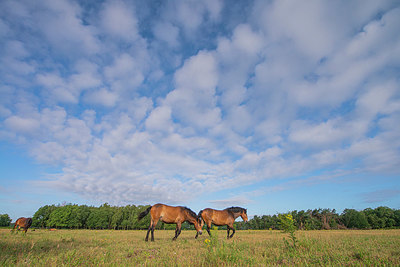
x=147, y=101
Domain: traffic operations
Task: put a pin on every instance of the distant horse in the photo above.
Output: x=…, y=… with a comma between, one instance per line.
x=223, y=217
x=169, y=214
x=22, y=223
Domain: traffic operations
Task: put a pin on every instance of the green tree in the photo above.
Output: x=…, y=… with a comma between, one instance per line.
x=312, y=220
x=42, y=215
x=396, y=215
x=101, y=217
x=373, y=220
x=117, y=218
x=82, y=214
x=61, y=217
x=354, y=219
x=5, y=220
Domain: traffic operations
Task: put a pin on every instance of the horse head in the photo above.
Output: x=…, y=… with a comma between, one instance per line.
x=199, y=223
x=243, y=214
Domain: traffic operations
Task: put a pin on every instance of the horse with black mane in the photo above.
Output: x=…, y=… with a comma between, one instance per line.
x=24, y=223
x=223, y=217
x=169, y=215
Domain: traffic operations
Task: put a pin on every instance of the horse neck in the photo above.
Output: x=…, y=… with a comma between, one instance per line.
x=190, y=219
x=235, y=215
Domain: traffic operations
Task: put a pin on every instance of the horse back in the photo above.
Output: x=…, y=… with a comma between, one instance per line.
x=24, y=222
x=20, y=221
x=217, y=217
x=168, y=214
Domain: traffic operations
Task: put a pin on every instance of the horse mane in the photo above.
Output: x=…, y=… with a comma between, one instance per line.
x=191, y=213
x=236, y=210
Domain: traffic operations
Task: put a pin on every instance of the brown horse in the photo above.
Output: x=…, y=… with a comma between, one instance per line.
x=22, y=223
x=169, y=214
x=223, y=217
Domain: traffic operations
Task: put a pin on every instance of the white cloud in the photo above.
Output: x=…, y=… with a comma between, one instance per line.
x=191, y=15
x=378, y=100
x=214, y=8
x=232, y=201
x=193, y=102
x=246, y=40
x=49, y=153
x=119, y=20
x=344, y=72
x=325, y=133
x=380, y=195
x=124, y=73
x=105, y=94
x=86, y=76
x=167, y=32
x=160, y=120
x=58, y=89
x=22, y=125
x=75, y=37
x=101, y=97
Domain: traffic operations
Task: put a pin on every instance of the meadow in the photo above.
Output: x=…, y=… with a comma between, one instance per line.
x=248, y=247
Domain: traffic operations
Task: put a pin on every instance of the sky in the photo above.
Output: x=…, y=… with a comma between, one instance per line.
x=269, y=105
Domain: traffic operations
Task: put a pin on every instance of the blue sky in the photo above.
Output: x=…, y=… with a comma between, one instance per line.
x=269, y=105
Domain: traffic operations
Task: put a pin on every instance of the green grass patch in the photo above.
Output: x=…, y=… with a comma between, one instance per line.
x=263, y=247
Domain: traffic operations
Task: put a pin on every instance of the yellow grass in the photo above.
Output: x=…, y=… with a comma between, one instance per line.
x=259, y=248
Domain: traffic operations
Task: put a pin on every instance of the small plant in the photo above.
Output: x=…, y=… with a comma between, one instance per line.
x=213, y=242
x=220, y=251
x=288, y=226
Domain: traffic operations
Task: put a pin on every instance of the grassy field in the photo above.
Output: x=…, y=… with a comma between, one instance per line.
x=108, y=247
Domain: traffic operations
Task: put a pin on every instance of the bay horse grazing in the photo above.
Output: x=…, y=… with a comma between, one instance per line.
x=22, y=223
x=223, y=217
x=169, y=214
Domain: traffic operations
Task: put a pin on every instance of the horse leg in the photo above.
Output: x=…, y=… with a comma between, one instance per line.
x=180, y=230
x=153, y=227
x=233, y=232
x=148, y=231
x=152, y=232
x=208, y=229
x=228, y=229
x=13, y=230
x=177, y=231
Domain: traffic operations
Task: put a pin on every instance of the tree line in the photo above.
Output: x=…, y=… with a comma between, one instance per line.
x=72, y=216
x=326, y=219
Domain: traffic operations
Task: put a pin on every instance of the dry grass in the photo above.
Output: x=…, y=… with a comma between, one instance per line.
x=91, y=247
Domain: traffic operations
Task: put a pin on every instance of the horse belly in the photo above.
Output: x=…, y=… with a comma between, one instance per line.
x=167, y=219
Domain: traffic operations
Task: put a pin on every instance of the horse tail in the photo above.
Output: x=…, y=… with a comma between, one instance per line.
x=28, y=222
x=144, y=213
